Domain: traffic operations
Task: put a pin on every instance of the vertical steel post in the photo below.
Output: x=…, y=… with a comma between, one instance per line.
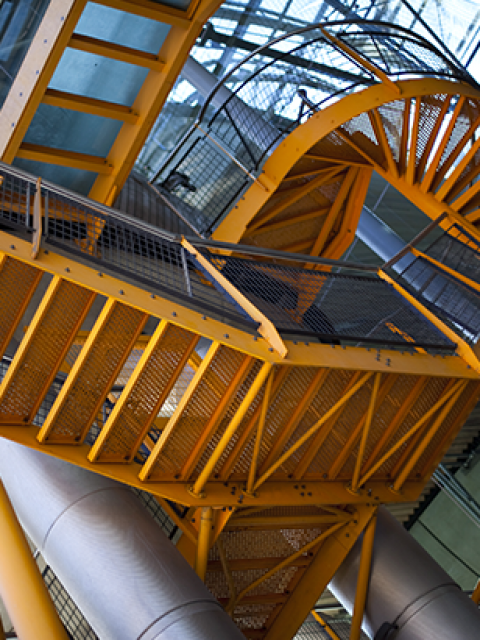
x=203, y=544
x=22, y=589
x=363, y=579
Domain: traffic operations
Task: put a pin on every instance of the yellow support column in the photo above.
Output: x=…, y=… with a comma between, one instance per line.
x=363, y=579
x=203, y=544
x=21, y=585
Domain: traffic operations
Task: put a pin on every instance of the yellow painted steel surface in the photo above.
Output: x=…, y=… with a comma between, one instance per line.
x=21, y=585
x=320, y=173
x=293, y=455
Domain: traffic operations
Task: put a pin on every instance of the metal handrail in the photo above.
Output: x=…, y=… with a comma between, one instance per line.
x=313, y=303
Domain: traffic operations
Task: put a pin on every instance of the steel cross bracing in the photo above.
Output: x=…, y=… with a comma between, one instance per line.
x=271, y=466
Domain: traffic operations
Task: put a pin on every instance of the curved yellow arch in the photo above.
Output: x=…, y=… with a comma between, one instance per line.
x=316, y=180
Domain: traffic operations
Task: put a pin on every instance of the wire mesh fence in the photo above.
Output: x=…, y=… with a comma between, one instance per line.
x=333, y=308
x=278, y=87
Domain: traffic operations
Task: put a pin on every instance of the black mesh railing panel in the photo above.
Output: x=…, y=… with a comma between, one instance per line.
x=278, y=87
x=70, y=615
x=447, y=297
x=16, y=196
x=331, y=307
x=461, y=253
x=132, y=250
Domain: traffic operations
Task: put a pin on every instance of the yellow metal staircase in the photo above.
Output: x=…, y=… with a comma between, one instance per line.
x=279, y=460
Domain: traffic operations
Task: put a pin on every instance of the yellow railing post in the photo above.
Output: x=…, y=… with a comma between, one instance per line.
x=22, y=589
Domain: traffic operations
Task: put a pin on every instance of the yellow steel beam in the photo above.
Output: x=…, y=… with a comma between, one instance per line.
x=412, y=431
x=410, y=173
x=358, y=429
x=77, y=370
x=198, y=487
x=325, y=626
x=341, y=198
x=315, y=579
x=252, y=472
x=405, y=137
x=365, y=432
x=226, y=570
x=286, y=222
x=266, y=328
x=476, y=594
x=64, y=158
x=296, y=194
x=248, y=564
x=301, y=408
x=153, y=11
x=445, y=172
x=239, y=523
x=151, y=97
x=279, y=374
x=437, y=455
x=116, y=52
x=450, y=181
x=401, y=414
x=218, y=494
x=379, y=129
x=363, y=579
x=432, y=173
x=306, y=436
x=25, y=344
x=203, y=544
x=323, y=434
x=425, y=441
x=433, y=137
x=102, y=108
x=209, y=429
x=466, y=196
x=285, y=563
x=353, y=210
x=201, y=372
x=463, y=348
x=22, y=588
x=32, y=79
x=122, y=402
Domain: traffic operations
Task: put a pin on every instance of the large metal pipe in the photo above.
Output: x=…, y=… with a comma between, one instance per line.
x=125, y=575
x=408, y=590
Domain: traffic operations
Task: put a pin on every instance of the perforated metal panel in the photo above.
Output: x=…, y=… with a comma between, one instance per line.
x=199, y=410
x=156, y=379
x=17, y=280
x=229, y=415
x=52, y=337
x=111, y=348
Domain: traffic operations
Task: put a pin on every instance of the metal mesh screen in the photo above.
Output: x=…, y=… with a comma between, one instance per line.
x=132, y=249
x=16, y=282
x=198, y=413
x=331, y=307
x=51, y=338
x=16, y=196
x=447, y=297
x=157, y=377
x=92, y=384
x=71, y=616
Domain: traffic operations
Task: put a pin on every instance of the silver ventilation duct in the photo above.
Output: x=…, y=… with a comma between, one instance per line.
x=407, y=590
x=127, y=578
